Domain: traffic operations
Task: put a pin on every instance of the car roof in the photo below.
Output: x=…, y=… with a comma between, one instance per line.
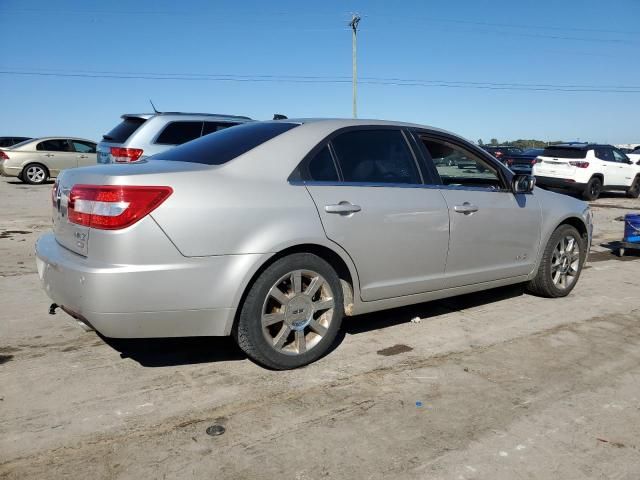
x=59, y=137
x=337, y=123
x=580, y=146
x=219, y=116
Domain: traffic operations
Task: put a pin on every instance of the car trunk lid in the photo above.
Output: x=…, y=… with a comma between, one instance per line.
x=155, y=173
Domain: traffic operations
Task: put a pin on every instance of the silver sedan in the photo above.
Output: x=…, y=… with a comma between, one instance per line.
x=272, y=231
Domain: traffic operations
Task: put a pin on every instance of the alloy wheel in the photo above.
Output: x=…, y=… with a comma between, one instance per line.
x=565, y=262
x=297, y=312
x=36, y=174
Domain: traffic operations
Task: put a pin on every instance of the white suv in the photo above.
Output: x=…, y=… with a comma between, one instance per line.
x=140, y=135
x=588, y=169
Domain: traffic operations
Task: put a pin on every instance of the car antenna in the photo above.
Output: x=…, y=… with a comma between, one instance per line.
x=153, y=106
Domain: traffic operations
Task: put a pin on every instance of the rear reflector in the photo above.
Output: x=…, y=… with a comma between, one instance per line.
x=112, y=207
x=125, y=155
x=579, y=164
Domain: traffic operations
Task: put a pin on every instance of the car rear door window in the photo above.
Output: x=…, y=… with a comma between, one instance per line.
x=121, y=132
x=211, y=127
x=227, y=144
x=322, y=168
x=177, y=133
x=375, y=156
x=604, y=154
x=56, y=145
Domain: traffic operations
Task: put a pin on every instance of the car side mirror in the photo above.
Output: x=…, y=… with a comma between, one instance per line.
x=523, y=183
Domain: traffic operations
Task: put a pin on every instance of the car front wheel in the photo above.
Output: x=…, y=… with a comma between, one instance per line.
x=634, y=190
x=561, y=264
x=292, y=312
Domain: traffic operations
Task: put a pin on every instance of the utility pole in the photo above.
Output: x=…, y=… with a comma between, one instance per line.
x=355, y=20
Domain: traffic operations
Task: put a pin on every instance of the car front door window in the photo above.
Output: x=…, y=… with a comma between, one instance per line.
x=458, y=166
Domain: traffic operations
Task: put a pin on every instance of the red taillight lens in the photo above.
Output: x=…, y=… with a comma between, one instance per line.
x=579, y=164
x=536, y=160
x=125, y=155
x=3, y=156
x=112, y=207
x=498, y=154
x=509, y=161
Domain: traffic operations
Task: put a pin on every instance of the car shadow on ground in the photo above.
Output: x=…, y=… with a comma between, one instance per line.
x=167, y=352
x=164, y=352
x=18, y=182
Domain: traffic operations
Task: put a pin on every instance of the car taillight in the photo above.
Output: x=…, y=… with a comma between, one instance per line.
x=125, y=155
x=498, y=154
x=509, y=161
x=112, y=207
x=579, y=164
x=3, y=156
x=536, y=160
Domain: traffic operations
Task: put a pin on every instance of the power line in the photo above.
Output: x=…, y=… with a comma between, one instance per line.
x=339, y=80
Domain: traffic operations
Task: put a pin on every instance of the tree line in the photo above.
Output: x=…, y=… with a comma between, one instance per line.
x=520, y=143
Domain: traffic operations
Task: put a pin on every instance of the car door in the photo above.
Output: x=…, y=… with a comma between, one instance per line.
x=625, y=167
x=85, y=152
x=57, y=154
x=494, y=234
x=369, y=193
x=613, y=174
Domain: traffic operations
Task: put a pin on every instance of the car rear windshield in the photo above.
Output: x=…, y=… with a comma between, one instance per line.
x=225, y=145
x=564, y=152
x=121, y=132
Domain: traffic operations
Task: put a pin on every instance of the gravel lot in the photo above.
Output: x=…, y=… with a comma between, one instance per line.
x=498, y=385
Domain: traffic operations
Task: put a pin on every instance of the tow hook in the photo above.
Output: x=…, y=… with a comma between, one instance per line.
x=52, y=308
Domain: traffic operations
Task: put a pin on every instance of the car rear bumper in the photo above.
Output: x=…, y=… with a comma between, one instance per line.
x=7, y=171
x=192, y=298
x=564, y=183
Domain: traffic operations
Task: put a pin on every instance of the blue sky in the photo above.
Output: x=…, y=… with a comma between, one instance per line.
x=545, y=43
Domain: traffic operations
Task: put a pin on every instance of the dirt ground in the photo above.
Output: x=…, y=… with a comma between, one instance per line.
x=497, y=385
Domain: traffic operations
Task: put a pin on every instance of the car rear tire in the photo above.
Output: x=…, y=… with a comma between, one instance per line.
x=561, y=264
x=593, y=190
x=35, y=174
x=634, y=190
x=292, y=313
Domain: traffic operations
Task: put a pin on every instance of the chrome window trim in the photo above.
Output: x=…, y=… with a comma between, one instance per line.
x=315, y=183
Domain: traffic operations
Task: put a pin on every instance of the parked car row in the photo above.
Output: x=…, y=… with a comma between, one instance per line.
x=584, y=168
x=137, y=136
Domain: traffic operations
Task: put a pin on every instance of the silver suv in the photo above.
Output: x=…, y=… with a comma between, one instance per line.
x=140, y=135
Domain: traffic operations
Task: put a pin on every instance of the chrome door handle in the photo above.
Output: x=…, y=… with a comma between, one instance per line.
x=83, y=156
x=48, y=154
x=465, y=208
x=342, y=208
